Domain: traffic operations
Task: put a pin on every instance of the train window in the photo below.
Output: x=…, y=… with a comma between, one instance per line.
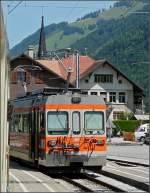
x=94, y=123
x=25, y=124
x=76, y=122
x=20, y=123
x=16, y=125
x=57, y=123
x=42, y=123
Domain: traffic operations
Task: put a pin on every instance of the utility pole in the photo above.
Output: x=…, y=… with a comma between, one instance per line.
x=4, y=95
x=77, y=69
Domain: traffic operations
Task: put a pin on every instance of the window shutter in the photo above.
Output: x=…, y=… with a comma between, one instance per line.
x=27, y=77
x=14, y=77
x=39, y=78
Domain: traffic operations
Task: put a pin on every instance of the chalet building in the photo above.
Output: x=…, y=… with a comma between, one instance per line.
x=96, y=77
x=30, y=72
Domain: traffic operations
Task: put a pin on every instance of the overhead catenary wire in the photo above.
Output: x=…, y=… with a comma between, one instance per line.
x=15, y=7
x=52, y=6
x=71, y=11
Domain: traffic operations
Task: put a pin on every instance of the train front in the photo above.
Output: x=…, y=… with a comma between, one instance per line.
x=75, y=135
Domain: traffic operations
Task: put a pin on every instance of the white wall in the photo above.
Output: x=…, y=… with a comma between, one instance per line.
x=125, y=86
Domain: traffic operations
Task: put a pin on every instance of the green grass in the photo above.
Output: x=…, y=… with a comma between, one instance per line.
x=63, y=41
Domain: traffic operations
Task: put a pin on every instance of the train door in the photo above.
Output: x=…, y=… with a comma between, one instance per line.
x=31, y=135
x=34, y=134
x=76, y=127
x=42, y=135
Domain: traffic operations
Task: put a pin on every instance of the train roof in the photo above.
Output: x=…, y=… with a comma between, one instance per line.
x=59, y=96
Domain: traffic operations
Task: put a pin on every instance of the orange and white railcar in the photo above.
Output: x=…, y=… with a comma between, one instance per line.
x=59, y=130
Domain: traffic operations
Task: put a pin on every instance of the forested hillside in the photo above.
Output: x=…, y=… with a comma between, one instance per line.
x=124, y=43
x=119, y=34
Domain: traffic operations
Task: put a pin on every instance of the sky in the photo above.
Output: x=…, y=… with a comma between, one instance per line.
x=25, y=19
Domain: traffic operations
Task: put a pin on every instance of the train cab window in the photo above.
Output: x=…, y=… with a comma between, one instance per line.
x=57, y=123
x=76, y=123
x=94, y=123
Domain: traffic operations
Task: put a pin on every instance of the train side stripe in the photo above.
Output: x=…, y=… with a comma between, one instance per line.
x=64, y=107
x=74, y=106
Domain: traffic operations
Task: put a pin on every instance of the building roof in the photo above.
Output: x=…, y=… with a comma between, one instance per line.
x=54, y=66
x=104, y=61
x=85, y=63
x=142, y=117
x=87, y=66
x=50, y=65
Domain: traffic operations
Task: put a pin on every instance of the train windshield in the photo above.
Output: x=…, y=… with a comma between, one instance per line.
x=57, y=123
x=94, y=123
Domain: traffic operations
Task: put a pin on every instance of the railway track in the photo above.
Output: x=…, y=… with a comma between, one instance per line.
x=128, y=162
x=94, y=182
x=132, y=182
x=113, y=182
x=86, y=184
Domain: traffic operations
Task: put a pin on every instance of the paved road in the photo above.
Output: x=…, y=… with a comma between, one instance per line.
x=136, y=151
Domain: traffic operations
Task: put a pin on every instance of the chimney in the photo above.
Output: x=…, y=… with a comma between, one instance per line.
x=31, y=51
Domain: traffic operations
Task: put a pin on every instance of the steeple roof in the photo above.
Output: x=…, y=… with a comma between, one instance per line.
x=42, y=43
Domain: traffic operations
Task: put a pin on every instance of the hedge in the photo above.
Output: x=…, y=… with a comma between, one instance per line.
x=127, y=125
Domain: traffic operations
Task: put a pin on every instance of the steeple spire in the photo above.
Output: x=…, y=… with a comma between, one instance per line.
x=42, y=43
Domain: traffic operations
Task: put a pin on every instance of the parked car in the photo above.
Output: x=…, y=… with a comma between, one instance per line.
x=147, y=137
x=141, y=132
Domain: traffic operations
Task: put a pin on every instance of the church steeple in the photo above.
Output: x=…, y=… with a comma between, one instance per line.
x=42, y=43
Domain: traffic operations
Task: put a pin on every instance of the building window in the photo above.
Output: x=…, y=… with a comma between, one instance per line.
x=86, y=80
x=104, y=96
x=93, y=93
x=84, y=92
x=120, y=81
x=21, y=76
x=118, y=115
x=112, y=97
x=103, y=78
x=122, y=97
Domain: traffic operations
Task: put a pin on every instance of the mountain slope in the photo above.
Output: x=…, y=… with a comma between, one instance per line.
x=63, y=34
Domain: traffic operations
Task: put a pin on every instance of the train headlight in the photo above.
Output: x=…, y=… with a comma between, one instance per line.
x=51, y=143
x=100, y=142
x=76, y=98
